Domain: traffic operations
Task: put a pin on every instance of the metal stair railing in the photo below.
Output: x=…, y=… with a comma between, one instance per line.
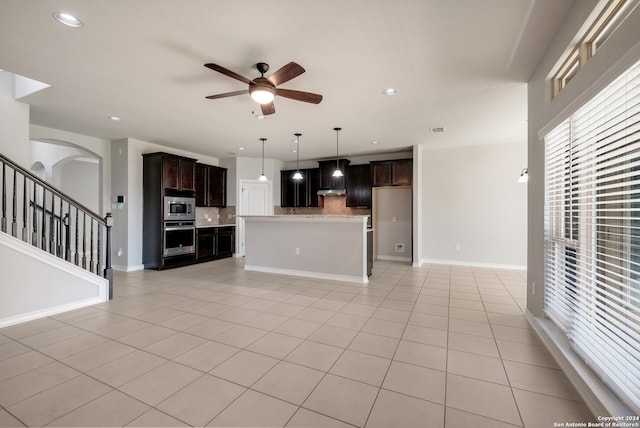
x=54, y=222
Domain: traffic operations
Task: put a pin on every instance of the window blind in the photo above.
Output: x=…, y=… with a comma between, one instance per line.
x=592, y=233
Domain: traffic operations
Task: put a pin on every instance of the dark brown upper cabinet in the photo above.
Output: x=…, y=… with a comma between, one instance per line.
x=211, y=186
x=358, y=185
x=299, y=193
x=178, y=173
x=327, y=180
x=392, y=173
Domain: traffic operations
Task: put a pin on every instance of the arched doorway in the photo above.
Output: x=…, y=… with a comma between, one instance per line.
x=74, y=170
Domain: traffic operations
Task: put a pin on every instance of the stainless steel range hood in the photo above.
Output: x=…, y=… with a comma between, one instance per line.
x=332, y=192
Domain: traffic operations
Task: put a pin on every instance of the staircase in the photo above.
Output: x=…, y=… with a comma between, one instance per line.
x=55, y=254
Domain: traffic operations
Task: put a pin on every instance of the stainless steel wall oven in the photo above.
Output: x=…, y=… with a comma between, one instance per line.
x=179, y=238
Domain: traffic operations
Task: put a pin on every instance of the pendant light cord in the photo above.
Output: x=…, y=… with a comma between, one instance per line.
x=297, y=151
x=263, y=140
x=337, y=151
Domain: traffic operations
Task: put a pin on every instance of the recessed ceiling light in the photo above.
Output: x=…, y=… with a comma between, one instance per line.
x=67, y=19
x=241, y=148
x=390, y=91
x=259, y=116
x=115, y=118
x=438, y=129
x=293, y=151
x=375, y=142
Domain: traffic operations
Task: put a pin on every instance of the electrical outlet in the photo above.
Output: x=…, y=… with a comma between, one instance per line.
x=119, y=252
x=458, y=247
x=399, y=248
x=297, y=251
x=533, y=288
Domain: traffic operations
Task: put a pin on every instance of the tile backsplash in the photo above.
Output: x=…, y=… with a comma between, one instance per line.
x=211, y=216
x=330, y=205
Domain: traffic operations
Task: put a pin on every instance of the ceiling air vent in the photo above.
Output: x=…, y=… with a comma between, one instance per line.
x=436, y=130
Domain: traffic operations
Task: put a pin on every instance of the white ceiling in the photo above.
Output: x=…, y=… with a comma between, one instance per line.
x=458, y=64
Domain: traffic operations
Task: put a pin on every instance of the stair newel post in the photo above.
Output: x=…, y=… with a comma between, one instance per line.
x=25, y=211
x=14, y=223
x=84, y=240
x=108, y=272
x=3, y=225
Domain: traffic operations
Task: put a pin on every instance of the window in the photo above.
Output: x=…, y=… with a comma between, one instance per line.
x=592, y=233
x=609, y=16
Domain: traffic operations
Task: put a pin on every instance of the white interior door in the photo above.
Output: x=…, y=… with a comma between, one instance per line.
x=256, y=198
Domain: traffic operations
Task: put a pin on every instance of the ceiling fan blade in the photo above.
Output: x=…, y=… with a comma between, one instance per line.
x=268, y=109
x=227, y=94
x=286, y=73
x=227, y=72
x=306, y=97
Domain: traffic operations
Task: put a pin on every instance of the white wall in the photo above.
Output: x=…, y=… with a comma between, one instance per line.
x=99, y=147
x=80, y=179
x=232, y=180
x=37, y=284
x=14, y=123
x=471, y=199
x=392, y=208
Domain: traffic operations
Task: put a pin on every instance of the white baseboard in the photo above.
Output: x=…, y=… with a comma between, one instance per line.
x=600, y=400
x=472, y=264
x=127, y=268
x=9, y=321
x=307, y=274
x=394, y=258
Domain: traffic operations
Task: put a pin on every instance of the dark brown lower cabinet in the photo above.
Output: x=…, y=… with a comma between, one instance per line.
x=225, y=242
x=214, y=243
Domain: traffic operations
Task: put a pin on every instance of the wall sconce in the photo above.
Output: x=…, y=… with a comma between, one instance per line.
x=524, y=176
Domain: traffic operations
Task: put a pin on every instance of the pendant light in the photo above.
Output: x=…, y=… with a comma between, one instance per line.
x=262, y=176
x=297, y=175
x=337, y=172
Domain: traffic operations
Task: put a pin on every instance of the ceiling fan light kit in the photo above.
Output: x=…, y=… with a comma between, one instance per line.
x=263, y=90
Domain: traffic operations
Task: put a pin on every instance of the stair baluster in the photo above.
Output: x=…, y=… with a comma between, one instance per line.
x=14, y=223
x=55, y=217
x=3, y=223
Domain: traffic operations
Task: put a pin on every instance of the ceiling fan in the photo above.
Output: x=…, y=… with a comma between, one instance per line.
x=264, y=89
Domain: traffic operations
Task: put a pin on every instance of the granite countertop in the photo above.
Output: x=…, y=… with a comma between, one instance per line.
x=214, y=225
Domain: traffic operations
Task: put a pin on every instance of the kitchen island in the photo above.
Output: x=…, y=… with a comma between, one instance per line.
x=317, y=246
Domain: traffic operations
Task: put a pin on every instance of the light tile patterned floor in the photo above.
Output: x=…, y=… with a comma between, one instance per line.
x=213, y=345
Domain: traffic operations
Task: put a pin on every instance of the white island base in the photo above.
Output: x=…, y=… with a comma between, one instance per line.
x=315, y=246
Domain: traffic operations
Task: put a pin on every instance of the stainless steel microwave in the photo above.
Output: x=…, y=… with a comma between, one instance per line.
x=179, y=208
